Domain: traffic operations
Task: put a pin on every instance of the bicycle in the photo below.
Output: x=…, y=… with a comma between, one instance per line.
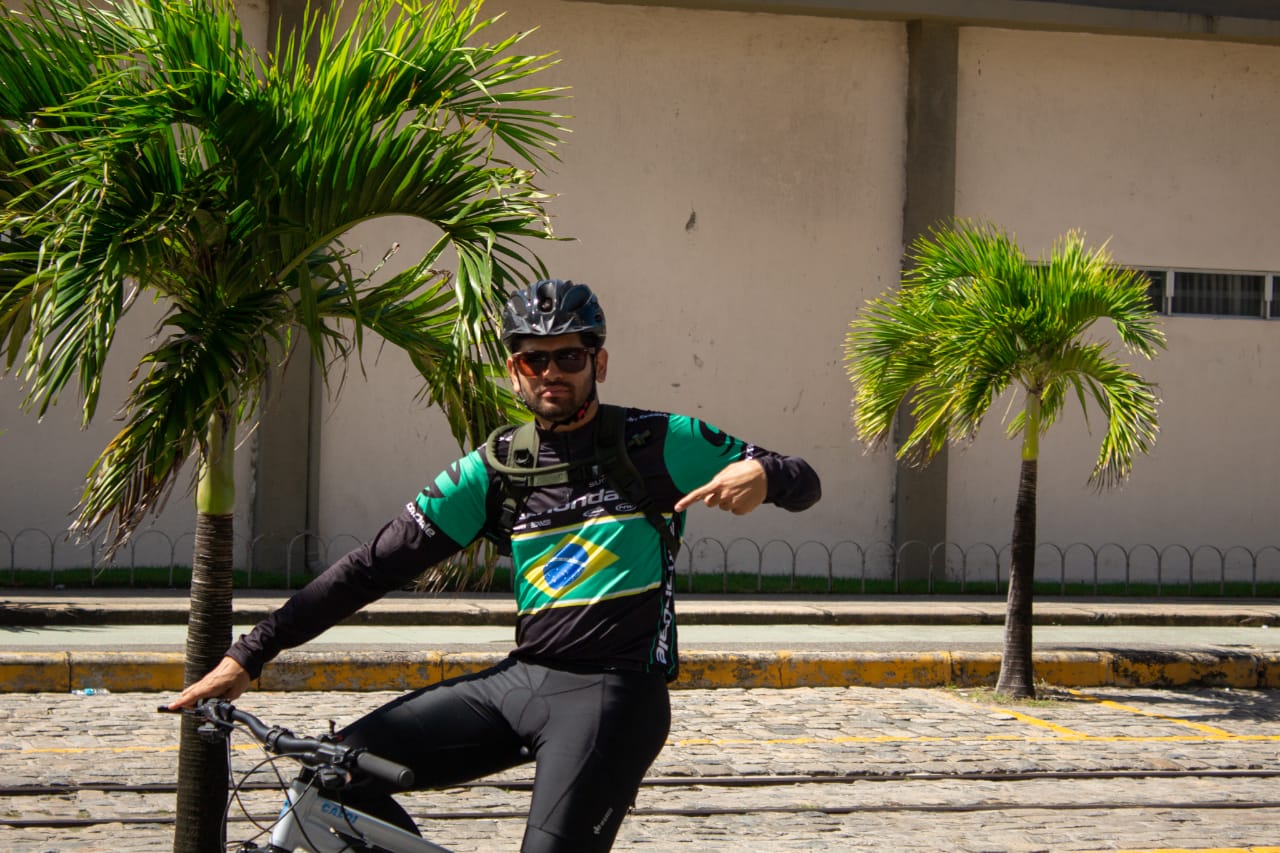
x=309, y=820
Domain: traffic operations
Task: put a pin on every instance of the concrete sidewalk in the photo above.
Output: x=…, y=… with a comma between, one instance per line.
x=872, y=641
x=151, y=607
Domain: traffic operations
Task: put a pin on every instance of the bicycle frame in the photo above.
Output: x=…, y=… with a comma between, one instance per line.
x=309, y=821
x=313, y=822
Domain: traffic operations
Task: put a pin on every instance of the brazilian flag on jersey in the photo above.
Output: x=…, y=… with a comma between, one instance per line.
x=584, y=563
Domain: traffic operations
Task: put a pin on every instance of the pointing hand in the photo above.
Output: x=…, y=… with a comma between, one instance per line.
x=738, y=488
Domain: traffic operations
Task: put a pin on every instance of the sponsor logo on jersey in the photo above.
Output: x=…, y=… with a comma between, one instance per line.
x=570, y=562
x=420, y=520
x=662, y=651
x=588, y=500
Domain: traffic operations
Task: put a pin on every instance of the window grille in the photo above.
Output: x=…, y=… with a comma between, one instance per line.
x=1213, y=293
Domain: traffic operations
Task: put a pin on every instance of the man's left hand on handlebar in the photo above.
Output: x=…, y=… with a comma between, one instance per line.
x=227, y=680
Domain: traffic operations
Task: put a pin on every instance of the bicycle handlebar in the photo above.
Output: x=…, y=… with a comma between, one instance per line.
x=312, y=751
x=384, y=769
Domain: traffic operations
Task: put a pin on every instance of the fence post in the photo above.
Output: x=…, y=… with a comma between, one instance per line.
x=728, y=549
x=1191, y=569
x=48, y=539
x=1093, y=555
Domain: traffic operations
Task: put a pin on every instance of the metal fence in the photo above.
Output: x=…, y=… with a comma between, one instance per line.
x=298, y=556
x=1169, y=569
x=1086, y=568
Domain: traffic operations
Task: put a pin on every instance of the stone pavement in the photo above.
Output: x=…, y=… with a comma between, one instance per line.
x=1155, y=735
x=833, y=768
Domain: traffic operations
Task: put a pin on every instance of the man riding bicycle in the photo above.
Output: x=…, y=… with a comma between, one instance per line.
x=590, y=505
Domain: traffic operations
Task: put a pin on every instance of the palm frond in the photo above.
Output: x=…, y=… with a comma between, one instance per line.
x=1127, y=402
x=210, y=364
x=146, y=148
x=974, y=317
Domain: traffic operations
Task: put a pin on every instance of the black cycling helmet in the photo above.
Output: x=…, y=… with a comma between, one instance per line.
x=553, y=307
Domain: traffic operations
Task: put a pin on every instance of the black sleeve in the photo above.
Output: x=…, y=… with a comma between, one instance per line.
x=793, y=484
x=400, y=552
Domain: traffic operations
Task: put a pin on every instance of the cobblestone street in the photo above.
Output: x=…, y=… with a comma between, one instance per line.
x=801, y=769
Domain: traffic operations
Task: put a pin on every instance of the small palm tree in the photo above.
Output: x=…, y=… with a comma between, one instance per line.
x=147, y=152
x=975, y=317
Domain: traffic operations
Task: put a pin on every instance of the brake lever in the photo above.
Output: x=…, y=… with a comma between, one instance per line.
x=212, y=730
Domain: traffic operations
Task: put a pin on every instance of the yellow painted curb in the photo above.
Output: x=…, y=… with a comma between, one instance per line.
x=1073, y=669
x=975, y=669
x=35, y=672
x=863, y=669
x=369, y=671
x=1269, y=670
x=466, y=663
x=58, y=672
x=725, y=669
x=1170, y=669
x=124, y=671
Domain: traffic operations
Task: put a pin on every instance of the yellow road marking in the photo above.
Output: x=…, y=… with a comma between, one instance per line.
x=1073, y=736
x=1130, y=738
x=1070, y=734
x=72, y=750
x=1212, y=731
x=802, y=741
x=1205, y=850
x=1061, y=734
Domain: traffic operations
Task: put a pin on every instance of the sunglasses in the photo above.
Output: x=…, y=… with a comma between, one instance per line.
x=533, y=363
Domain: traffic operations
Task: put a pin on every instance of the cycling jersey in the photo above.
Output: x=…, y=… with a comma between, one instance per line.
x=594, y=585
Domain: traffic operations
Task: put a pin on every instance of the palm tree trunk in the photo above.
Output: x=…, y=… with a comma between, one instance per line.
x=202, y=767
x=1017, y=677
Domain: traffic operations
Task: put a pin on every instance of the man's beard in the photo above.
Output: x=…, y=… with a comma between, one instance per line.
x=559, y=409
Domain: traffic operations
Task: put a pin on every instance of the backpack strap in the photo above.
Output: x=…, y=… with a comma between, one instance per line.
x=519, y=473
x=612, y=451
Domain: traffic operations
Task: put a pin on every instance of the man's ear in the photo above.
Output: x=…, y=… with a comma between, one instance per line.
x=511, y=373
x=602, y=364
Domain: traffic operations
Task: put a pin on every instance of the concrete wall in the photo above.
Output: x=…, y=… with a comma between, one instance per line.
x=1165, y=148
x=734, y=187
x=733, y=190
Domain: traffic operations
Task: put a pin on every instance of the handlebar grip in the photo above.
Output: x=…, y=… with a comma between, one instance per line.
x=387, y=771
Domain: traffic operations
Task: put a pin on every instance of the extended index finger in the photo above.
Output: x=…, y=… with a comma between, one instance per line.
x=693, y=497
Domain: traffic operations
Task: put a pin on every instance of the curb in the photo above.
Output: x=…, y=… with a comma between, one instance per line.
x=28, y=614
x=61, y=672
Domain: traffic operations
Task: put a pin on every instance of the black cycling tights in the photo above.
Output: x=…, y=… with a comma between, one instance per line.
x=593, y=736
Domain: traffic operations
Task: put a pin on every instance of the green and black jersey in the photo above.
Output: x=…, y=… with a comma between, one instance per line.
x=594, y=585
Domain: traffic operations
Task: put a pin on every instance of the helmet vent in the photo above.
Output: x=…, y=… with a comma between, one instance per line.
x=553, y=307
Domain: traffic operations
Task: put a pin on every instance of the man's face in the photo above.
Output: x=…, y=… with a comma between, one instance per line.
x=542, y=371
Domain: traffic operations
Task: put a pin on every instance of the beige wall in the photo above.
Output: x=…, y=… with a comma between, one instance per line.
x=785, y=137
x=1165, y=147
x=733, y=187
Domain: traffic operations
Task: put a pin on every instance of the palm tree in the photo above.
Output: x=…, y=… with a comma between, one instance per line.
x=147, y=152
x=975, y=317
